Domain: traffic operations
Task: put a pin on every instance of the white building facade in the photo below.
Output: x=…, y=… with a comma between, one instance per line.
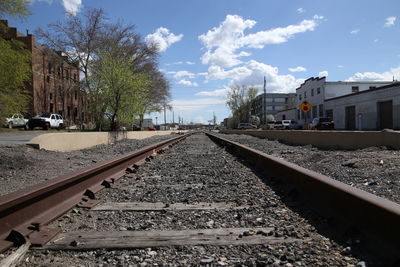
x=317, y=90
x=374, y=109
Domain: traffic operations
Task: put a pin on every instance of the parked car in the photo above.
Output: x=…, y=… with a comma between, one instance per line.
x=246, y=126
x=294, y=125
x=151, y=128
x=46, y=121
x=278, y=125
x=322, y=123
x=16, y=120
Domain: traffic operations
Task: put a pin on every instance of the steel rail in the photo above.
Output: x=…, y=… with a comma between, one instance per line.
x=24, y=213
x=376, y=218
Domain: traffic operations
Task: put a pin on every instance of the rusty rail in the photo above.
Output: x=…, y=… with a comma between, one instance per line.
x=24, y=213
x=376, y=218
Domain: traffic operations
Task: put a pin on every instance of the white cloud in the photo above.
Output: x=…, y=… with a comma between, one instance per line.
x=318, y=17
x=222, y=42
x=375, y=76
x=188, y=83
x=163, y=38
x=355, y=31
x=181, y=63
x=72, y=6
x=323, y=73
x=297, y=69
x=390, y=21
x=253, y=73
x=301, y=10
x=182, y=74
x=340, y=66
x=47, y=1
x=218, y=92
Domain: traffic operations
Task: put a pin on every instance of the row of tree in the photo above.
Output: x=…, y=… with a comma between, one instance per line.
x=119, y=71
x=14, y=64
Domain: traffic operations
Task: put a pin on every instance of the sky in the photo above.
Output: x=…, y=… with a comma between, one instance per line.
x=207, y=46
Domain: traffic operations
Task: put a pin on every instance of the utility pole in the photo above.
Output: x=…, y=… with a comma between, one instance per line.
x=265, y=101
x=173, y=118
x=165, y=118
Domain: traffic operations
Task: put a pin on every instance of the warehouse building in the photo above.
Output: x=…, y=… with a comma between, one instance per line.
x=372, y=109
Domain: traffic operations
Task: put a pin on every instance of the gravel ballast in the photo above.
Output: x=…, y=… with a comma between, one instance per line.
x=375, y=169
x=216, y=176
x=22, y=165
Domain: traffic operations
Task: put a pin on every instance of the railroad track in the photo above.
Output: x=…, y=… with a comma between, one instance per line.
x=197, y=204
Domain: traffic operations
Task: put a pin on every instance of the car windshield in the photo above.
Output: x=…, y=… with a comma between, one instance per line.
x=324, y=119
x=45, y=115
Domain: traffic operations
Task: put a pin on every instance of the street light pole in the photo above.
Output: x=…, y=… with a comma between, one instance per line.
x=265, y=101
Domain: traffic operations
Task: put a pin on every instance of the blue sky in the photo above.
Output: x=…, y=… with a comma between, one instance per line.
x=208, y=45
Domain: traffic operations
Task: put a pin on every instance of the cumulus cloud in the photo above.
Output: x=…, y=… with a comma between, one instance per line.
x=188, y=83
x=47, y=1
x=181, y=74
x=355, y=31
x=218, y=92
x=297, y=69
x=72, y=6
x=301, y=10
x=323, y=73
x=162, y=38
x=375, y=76
x=222, y=42
x=253, y=73
x=390, y=21
x=181, y=63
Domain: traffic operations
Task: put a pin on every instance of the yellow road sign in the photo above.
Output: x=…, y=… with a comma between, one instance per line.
x=305, y=106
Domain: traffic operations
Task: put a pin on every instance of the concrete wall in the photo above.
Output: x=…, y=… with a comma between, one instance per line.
x=76, y=141
x=348, y=140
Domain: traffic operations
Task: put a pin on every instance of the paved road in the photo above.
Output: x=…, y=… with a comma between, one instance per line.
x=17, y=137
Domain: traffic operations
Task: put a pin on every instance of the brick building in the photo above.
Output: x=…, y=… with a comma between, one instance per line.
x=54, y=84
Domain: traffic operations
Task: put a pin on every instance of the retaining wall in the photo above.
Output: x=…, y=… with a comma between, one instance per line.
x=348, y=140
x=76, y=141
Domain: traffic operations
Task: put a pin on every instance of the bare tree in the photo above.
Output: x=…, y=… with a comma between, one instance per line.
x=240, y=99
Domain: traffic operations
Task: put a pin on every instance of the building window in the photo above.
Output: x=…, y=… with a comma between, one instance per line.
x=329, y=113
x=305, y=94
x=48, y=79
x=49, y=67
x=279, y=100
x=51, y=96
x=321, y=110
x=299, y=96
x=51, y=107
x=68, y=111
x=354, y=89
x=67, y=74
x=76, y=94
x=372, y=87
x=312, y=92
x=318, y=90
x=314, y=111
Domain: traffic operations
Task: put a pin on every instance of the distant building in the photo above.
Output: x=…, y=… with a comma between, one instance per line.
x=54, y=84
x=373, y=109
x=317, y=90
x=275, y=102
